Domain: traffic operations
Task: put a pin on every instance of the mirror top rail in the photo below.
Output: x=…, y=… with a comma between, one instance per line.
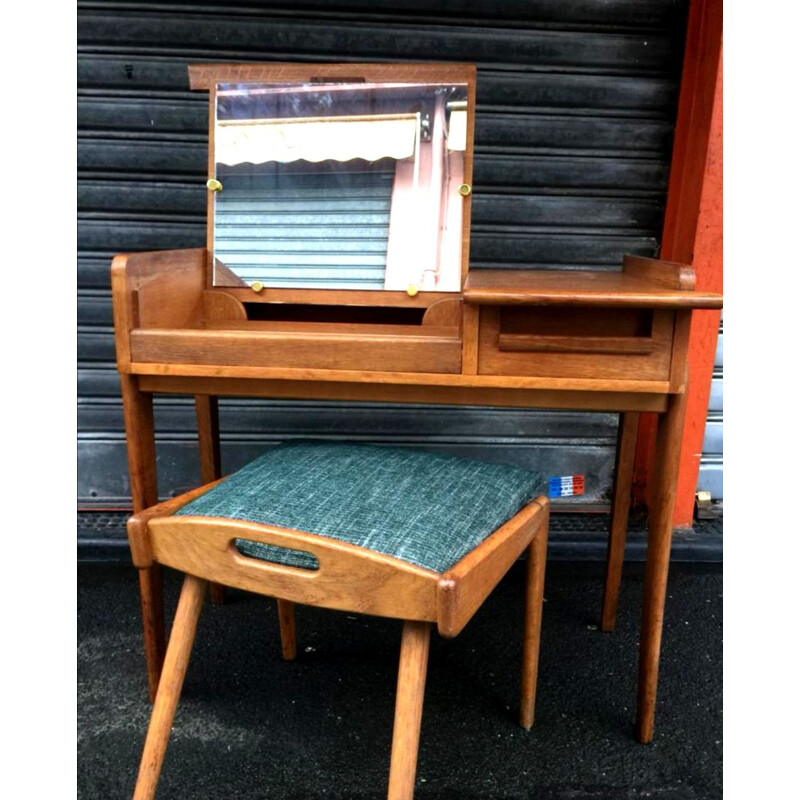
x=208, y=75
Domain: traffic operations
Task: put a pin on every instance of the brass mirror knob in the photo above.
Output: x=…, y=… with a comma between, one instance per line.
x=412, y=290
x=213, y=185
x=256, y=286
x=465, y=189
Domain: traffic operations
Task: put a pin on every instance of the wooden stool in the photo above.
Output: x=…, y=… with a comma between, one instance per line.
x=394, y=533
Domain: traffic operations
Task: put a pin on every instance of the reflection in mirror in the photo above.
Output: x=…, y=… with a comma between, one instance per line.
x=339, y=185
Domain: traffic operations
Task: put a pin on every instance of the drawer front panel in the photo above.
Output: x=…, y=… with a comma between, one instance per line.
x=568, y=342
x=310, y=351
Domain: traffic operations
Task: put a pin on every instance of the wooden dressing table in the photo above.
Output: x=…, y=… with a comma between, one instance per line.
x=188, y=322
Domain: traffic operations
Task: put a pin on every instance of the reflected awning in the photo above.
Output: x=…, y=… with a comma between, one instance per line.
x=315, y=139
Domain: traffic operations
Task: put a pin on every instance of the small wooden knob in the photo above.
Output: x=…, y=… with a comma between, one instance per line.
x=412, y=290
x=256, y=286
x=465, y=189
x=212, y=184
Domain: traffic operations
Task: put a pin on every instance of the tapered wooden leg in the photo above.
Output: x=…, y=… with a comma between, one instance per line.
x=408, y=708
x=169, y=687
x=138, y=413
x=288, y=632
x=659, y=540
x=534, y=598
x=623, y=481
x=150, y=590
x=207, y=412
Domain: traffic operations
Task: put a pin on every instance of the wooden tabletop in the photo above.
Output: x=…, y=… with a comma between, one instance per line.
x=580, y=288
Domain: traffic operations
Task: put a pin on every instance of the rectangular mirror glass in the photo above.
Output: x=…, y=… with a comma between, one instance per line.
x=340, y=185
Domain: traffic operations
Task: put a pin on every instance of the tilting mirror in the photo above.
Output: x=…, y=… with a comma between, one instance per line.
x=339, y=185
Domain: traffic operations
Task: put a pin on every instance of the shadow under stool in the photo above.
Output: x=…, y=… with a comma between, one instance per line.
x=395, y=533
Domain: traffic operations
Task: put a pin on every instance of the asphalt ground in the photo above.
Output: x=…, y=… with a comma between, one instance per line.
x=250, y=725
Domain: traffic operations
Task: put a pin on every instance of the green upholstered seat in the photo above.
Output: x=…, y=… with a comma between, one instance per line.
x=420, y=507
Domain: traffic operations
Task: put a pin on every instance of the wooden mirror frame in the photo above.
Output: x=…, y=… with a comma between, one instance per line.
x=208, y=76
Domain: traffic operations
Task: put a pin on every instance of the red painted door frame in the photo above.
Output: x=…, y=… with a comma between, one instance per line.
x=693, y=234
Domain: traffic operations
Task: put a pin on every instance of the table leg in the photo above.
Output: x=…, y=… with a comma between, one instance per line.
x=659, y=540
x=286, y=619
x=411, y=675
x=534, y=599
x=623, y=481
x=207, y=413
x=138, y=412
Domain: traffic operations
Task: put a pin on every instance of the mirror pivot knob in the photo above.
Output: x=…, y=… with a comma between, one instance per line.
x=213, y=185
x=256, y=286
x=465, y=189
x=412, y=290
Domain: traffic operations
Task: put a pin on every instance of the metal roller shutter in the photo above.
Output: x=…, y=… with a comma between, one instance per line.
x=575, y=114
x=710, y=477
x=330, y=227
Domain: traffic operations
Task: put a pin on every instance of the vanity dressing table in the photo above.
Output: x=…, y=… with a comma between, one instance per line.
x=337, y=267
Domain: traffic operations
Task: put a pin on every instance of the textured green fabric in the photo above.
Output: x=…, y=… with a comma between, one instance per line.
x=420, y=507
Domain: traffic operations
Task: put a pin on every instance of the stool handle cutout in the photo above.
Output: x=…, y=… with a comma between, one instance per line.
x=273, y=554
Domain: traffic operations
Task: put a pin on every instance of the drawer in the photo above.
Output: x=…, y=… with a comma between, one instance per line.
x=573, y=342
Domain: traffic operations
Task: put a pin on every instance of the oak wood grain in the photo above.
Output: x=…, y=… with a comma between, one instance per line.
x=288, y=628
x=138, y=533
x=408, y=709
x=659, y=539
x=208, y=445
x=420, y=352
x=151, y=597
x=534, y=601
x=463, y=588
x=153, y=288
x=207, y=414
x=374, y=378
x=620, y=508
x=670, y=274
x=336, y=297
x=137, y=408
x=512, y=396
x=171, y=297
x=222, y=276
x=219, y=307
x=583, y=288
x=206, y=76
x=466, y=208
x=679, y=364
x=124, y=309
x=349, y=578
x=633, y=357
x=531, y=343
x=181, y=639
x=211, y=199
x=444, y=313
x=469, y=348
